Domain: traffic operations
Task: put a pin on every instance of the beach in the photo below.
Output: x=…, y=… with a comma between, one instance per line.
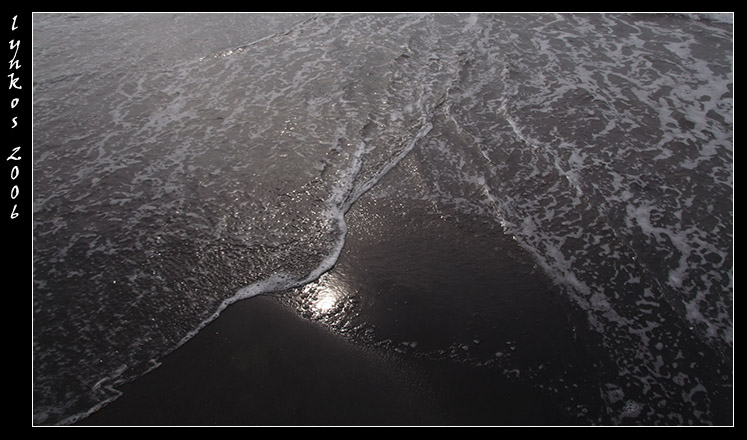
x=292, y=373
x=395, y=351
x=382, y=219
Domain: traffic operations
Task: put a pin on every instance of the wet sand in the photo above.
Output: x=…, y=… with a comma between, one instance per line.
x=438, y=320
x=260, y=364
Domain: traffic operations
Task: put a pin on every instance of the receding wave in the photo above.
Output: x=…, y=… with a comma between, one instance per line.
x=205, y=159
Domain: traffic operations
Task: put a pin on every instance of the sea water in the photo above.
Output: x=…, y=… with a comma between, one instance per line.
x=183, y=162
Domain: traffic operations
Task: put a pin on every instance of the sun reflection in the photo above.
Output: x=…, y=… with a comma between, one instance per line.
x=325, y=301
x=324, y=296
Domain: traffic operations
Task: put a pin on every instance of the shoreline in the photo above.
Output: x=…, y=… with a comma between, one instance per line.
x=428, y=318
x=260, y=364
x=423, y=321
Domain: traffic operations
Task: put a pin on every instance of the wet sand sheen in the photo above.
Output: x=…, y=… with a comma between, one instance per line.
x=437, y=319
x=603, y=142
x=259, y=364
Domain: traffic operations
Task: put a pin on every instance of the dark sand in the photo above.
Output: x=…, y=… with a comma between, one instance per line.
x=260, y=364
x=459, y=288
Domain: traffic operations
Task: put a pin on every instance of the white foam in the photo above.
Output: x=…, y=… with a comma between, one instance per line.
x=343, y=197
x=574, y=197
x=724, y=17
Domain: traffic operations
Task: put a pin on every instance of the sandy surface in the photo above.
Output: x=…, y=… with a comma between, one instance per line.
x=434, y=319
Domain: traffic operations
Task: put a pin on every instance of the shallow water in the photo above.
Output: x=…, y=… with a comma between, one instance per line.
x=183, y=162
